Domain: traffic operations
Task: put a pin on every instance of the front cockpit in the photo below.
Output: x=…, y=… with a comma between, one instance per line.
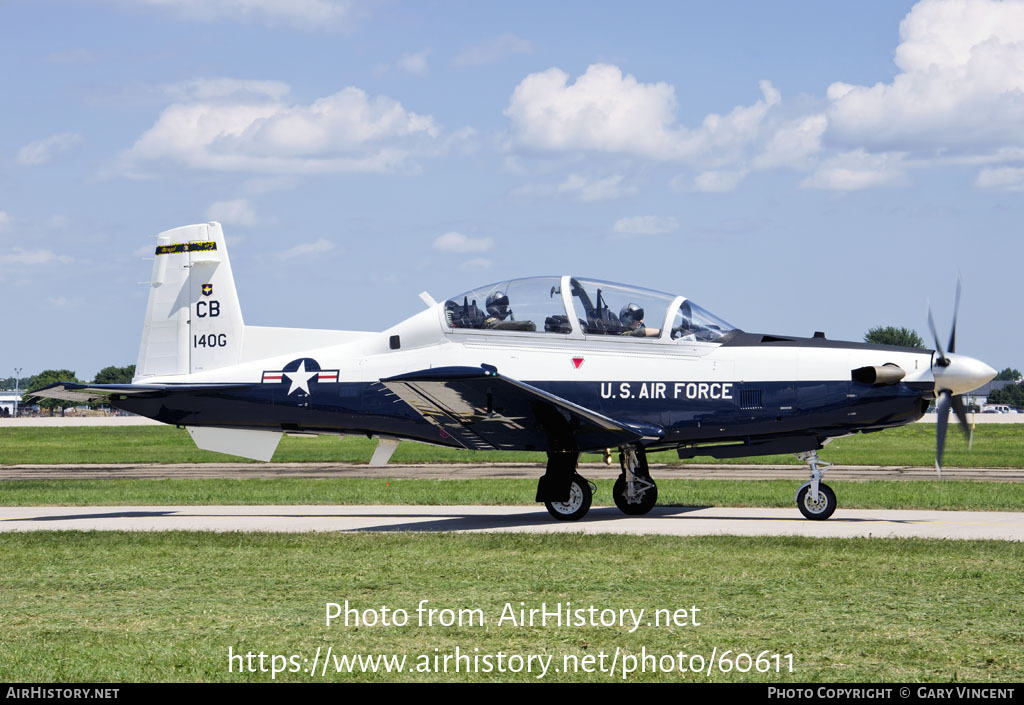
x=583, y=308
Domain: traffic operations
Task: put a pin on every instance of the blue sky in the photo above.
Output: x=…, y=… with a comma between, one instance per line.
x=792, y=166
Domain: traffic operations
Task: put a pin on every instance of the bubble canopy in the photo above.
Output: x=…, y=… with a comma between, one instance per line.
x=570, y=305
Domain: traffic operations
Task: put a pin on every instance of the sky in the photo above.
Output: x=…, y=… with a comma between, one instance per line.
x=791, y=166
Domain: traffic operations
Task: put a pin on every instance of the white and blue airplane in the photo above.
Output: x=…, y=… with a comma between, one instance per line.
x=558, y=364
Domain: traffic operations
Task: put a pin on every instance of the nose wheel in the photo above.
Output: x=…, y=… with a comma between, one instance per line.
x=815, y=499
x=820, y=509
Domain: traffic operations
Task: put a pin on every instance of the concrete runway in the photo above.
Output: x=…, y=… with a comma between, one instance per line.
x=674, y=521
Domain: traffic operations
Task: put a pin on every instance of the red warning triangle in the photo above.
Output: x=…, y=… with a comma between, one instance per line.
x=577, y=361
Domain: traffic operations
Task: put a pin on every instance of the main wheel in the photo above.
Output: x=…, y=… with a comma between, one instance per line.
x=823, y=508
x=578, y=505
x=644, y=501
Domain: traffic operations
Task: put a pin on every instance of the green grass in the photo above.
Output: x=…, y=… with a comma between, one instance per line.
x=972, y=496
x=167, y=606
x=995, y=445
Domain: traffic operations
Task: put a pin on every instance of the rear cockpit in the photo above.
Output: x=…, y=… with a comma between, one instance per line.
x=579, y=308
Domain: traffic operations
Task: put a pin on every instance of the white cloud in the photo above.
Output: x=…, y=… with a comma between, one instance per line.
x=721, y=181
x=308, y=248
x=580, y=187
x=1003, y=179
x=957, y=99
x=603, y=111
x=493, y=50
x=586, y=190
x=960, y=86
x=43, y=151
x=645, y=225
x=606, y=111
x=317, y=15
x=214, y=88
x=416, y=64
x=457, y=242
x=5, y=221
x=348, y=131
x=794, y=145
x=856, y=170
x=236, y=212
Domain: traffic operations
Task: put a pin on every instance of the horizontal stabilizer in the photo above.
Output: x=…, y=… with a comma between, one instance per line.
x=74, y=391
x=258, y=445
x=482, y=410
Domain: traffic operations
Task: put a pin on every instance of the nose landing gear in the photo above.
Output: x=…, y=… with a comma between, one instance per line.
x=815, y=499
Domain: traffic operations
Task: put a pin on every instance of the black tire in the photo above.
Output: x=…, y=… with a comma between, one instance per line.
x=825, y=506
x=580, y=497
x=648, y=498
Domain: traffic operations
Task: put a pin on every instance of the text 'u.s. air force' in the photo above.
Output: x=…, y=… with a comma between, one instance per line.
x=666, y=390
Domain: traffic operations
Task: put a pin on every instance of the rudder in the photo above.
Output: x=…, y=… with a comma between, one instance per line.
x=193, y=317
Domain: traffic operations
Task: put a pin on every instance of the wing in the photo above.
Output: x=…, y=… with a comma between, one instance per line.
x=73, y=391
x=483, y=410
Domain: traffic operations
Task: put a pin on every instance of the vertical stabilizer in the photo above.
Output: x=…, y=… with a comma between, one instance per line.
x=193, y=318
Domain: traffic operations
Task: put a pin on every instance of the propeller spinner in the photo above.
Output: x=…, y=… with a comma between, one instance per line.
x=954, y=376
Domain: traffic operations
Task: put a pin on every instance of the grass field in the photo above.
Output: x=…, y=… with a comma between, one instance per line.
x=167, y=606
x=128, y=607
x=995, y=445
x=973, y=496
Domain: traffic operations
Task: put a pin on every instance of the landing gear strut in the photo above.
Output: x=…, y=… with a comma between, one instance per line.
x=635, y=492
x=566, y=494
x=815, y=499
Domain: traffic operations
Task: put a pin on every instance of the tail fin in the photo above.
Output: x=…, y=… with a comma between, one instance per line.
x=193, y=318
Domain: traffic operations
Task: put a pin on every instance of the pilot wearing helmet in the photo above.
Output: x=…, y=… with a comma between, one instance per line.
x=499, y=314
x=632, y=318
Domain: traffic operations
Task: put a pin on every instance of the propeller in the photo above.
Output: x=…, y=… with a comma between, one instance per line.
x=946, y=399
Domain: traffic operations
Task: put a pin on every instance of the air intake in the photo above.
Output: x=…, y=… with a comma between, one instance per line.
x=751, y=399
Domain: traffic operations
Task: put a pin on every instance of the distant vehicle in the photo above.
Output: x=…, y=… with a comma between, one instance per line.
x=557, y=364
x=997, y=409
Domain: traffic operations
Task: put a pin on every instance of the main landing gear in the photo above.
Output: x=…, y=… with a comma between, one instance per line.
x=815, y=499
x=568, y=496
x=635, y=492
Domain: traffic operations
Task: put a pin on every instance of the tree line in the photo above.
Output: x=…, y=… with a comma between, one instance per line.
x=108, y=375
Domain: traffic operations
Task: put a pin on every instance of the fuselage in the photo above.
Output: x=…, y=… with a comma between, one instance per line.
x=741, y=386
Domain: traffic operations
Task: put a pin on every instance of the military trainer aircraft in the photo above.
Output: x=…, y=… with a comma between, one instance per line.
x=559, y=364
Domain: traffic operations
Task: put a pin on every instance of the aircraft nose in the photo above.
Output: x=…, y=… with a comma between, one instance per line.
x=962, y=375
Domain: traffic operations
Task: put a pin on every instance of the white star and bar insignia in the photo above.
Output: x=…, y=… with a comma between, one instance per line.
x=300, y=377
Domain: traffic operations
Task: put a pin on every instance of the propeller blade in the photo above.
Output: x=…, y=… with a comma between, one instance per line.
x=961, y=414
x=943, y=360
x=942, y=405
x=956, y=309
